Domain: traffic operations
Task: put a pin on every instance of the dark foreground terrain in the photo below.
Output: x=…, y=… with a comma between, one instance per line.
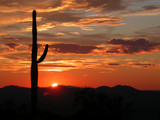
x=74, y=103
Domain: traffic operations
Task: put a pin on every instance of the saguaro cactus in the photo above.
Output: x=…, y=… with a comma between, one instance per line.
x=34, y=65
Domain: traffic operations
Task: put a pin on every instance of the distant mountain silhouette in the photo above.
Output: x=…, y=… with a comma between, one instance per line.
x=124, y=88
x=117, y=90
x=59, y=100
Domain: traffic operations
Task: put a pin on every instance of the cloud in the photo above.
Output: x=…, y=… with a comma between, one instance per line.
x=71, y=48
x=103, y=5
x=145, y=65
x=16, y=15
x=106, y=20
x=148, y=10
x=60, y=16
x=12, y=45
x=41, y=5
x=57, y=5
x=95, y=21
x=22, y=56
x=149, y=33
x=42, y=27
x=113, y=64
x=131, y=46
x=55, y=65
x=12, y=38
x=92, y=36
x=66, y=19
x=133, y=64
x=15, y=22
x=151, y=7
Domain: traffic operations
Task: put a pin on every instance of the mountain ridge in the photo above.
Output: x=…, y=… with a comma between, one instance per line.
x=60, y=99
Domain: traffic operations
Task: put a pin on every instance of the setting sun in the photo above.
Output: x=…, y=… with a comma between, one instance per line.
x=54, y=85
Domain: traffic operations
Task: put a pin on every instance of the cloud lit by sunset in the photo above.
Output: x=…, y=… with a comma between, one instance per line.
x=91, y=42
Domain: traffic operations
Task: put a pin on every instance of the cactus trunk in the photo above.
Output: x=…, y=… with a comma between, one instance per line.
x=34, y=65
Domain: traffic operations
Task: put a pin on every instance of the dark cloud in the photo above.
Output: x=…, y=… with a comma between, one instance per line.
x=151, y=7
x=131, y=47
x=40, y=46
x=60, y=16
x=13, y=45
x=113, y=64
x=142, y=64
x=71, y=48
x=113, y=50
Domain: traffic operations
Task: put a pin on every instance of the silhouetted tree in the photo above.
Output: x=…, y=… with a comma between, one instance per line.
x=94, y=105
x=34, y=65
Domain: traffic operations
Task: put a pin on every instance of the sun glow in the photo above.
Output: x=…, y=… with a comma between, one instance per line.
x=54, y=84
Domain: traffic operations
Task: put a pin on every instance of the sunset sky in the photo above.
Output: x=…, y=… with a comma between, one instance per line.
x=92, y=43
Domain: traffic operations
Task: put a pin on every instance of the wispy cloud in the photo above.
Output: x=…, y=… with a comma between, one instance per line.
x=102, y=5
x=135, y=65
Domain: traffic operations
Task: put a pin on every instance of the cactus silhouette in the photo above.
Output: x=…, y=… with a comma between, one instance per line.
x=34, y=65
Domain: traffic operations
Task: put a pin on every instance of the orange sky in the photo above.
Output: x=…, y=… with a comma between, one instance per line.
x=91, y=42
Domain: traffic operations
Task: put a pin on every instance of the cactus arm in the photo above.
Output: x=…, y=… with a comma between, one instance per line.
x=43, y=55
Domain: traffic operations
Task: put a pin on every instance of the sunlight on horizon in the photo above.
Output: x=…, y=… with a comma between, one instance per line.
x=54, y=84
